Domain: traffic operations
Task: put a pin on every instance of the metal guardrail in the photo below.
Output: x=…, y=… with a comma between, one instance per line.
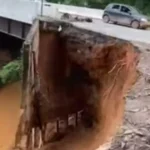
x=55, y=10
x=63, y=11
x=74, y=10
x=18, y=13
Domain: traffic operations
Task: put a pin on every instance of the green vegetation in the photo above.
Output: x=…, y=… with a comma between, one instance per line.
x=11, y=72
x=143, y=5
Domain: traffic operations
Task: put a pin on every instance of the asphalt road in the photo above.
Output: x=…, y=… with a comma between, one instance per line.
x=122, y=32
x=97, y=25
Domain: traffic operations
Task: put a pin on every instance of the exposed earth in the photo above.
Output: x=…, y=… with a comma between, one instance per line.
x=135, y=131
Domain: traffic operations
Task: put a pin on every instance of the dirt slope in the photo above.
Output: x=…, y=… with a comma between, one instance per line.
x=135, y=131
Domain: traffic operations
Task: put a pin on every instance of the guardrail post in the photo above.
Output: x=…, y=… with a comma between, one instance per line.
x=42, y=1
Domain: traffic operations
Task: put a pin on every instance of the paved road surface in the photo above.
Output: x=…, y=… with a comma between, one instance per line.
x=17, y=12
x=117, y=31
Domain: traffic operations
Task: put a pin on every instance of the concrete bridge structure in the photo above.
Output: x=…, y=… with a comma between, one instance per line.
x=16, y=16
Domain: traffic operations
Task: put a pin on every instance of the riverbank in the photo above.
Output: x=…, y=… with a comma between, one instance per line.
x=11, y=72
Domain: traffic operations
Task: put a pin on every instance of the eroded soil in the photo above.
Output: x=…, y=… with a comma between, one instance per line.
x=111, y=71
x=135, y=132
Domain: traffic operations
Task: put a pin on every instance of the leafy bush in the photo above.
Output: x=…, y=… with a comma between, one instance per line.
x=11, y=72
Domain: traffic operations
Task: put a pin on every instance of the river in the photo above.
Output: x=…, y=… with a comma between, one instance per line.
x=10, y=97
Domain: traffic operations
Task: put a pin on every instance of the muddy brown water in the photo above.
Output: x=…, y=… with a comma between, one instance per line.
x=10, y=97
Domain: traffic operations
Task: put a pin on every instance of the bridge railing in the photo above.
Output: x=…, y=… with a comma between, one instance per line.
x=54, y=10
x=20, y=12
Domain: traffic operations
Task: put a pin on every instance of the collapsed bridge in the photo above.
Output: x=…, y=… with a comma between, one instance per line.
x=74, y=85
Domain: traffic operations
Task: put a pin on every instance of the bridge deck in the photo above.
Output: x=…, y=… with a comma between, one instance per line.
x=16, y=16
x=22, y=11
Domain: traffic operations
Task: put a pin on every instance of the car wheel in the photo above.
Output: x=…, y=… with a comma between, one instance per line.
x=106, y=18
x=135, y=24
